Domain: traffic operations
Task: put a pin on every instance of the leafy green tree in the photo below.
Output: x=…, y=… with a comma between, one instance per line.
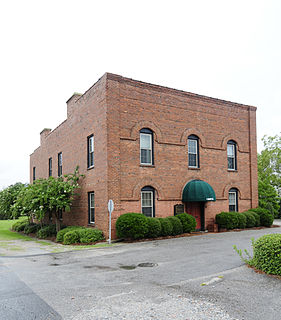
x=269, y=172
x=8, y=197
x=48, y=195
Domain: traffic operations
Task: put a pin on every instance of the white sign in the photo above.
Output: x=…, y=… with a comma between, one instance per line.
x=110, y=206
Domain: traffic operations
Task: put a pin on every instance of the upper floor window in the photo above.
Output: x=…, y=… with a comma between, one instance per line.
x=90, y=152
x=59, y=164
x=147, y=201
x=193, y=151
x=146, y=147
x=233, y=199
x=34, y=174
x=50, y=167
x=91, y=207
x=231, y=155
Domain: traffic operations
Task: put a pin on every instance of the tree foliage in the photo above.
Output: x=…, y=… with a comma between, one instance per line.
x=47, y=195
x=8, y=197
x=269, y=172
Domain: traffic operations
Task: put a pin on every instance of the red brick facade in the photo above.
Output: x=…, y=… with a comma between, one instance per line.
x=114, y=110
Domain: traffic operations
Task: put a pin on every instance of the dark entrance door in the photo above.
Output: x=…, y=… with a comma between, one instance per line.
x=196, y=209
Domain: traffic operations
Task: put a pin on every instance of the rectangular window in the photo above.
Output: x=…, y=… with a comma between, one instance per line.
x=146, y=148
x=50, y=167
x=91, y=205
x=231, y=156
x=34, y=174
x=90, y=151
x=147, y=203
x=232, y=201
x=192, y=153
x=59, y=164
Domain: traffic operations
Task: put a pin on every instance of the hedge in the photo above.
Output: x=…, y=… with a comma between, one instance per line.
x=20, y=225
x=90, y=235
x=47, y=231
x=250, y=219
x=267, y=253
x=71, y=237
x=188, y=222
x=228, y=220
x=132, y=226
x=176, y=225
x=266, y=219
x=166, y=227
x=154, y=227
x=62, y=232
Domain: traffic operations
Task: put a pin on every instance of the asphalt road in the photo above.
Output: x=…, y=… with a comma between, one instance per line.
x=198, y=277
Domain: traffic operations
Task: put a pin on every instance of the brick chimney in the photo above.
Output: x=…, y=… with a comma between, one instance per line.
x=71, y=103
x=43, y=134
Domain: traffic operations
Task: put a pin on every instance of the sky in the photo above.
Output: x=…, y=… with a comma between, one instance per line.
x=50, y=49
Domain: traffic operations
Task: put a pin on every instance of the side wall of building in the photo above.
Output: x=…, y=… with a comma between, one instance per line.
x=86, y=116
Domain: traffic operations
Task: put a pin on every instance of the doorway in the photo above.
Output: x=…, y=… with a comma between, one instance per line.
x=196, y=209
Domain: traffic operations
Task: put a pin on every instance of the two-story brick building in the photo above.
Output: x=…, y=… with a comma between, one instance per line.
x=150, y=148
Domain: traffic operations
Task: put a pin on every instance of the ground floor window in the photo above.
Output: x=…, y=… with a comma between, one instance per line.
x=147, y=201
x=233, y=199
x=91, y=206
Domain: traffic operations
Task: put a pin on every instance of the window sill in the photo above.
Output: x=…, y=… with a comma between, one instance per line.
x=147, y=165
x=92, y=224
x=193, y=168
x=231, y=170
x=90, y=168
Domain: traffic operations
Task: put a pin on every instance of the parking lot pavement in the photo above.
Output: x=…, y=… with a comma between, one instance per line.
x=151, y=280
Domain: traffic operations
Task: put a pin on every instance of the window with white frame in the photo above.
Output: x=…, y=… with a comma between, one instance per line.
x=233, y=200
x=90, y=151
x=147, y=201
x=231, y=155
x=91, y=205
x=146, y=147
x=193, y=151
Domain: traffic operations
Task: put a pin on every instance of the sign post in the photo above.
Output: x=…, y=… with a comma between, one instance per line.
x=110, y=210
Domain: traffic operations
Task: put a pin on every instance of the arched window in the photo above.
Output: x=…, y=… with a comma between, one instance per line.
x=193, y=151
x=148, y=201
x=231, y=155
x=146, y=147
x=233, y=199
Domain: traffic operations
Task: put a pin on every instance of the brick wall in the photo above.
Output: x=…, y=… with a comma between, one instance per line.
x=114, y=110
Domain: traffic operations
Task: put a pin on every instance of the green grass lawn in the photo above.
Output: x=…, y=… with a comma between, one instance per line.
x=6, y=234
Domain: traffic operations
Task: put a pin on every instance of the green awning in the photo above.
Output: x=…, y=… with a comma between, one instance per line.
x=198, y=190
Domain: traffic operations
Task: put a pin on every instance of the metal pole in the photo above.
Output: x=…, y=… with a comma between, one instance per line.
x=109, y=230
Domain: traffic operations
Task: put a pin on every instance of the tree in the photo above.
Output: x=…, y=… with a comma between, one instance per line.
x=8, y=197
x=47, y=195
x=269, y=172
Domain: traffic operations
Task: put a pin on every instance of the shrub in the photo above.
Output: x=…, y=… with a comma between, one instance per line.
x=250, y=219
x=166, y=227
x=257, y=218
x=266, y=219
x=177, y=225
x=47, y=231
x=242, y=220
x=228, y=220
x=188, y=222
x=71, y=237
x=31, y=228
x=154, y=227
x=267, y=253
x=90, y=235
x=20, y=225
x=132, y=226
x=62, y=232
